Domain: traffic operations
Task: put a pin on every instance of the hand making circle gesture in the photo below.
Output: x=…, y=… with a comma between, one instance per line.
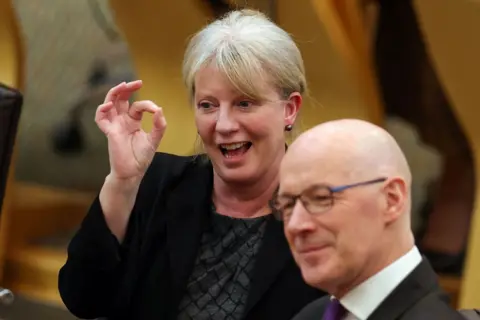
x=130, y=148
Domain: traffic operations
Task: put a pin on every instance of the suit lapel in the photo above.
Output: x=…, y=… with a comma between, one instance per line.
x=189, y=206
x=419, y=283
x=272, y=256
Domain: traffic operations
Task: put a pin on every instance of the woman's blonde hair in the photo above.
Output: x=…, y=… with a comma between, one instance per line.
x=247, y=47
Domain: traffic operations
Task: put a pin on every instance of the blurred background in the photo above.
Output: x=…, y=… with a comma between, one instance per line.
x=408, y=65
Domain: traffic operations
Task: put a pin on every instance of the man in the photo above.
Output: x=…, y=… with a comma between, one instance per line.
x=344, y=198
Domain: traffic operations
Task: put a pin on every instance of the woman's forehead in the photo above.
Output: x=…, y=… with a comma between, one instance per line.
x=250, y=84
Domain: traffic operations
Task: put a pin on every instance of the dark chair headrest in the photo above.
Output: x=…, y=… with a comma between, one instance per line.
x=11, y=102
x=10, y=97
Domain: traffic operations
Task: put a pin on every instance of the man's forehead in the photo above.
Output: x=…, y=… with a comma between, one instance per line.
x=302, y=173
x=312, y=157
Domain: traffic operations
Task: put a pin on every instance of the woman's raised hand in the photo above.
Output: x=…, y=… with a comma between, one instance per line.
x=130, y=149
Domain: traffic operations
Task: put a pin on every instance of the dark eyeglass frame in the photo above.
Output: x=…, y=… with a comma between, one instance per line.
x=278, y=214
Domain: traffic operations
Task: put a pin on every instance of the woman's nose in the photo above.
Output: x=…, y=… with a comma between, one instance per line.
x=226, y=122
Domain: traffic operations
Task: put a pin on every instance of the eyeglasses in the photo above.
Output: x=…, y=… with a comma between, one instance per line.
x=316, y=199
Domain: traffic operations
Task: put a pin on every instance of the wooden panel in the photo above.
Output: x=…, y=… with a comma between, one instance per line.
x=42, y=220
x=33, y=273
x=11, y=47
x=347, y=24
x=11, y=74
x=451, y=31
x=39, y=212
x=334, y=91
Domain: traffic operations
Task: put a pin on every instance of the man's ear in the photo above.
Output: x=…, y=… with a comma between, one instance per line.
x=292, y=107
x=396, y=193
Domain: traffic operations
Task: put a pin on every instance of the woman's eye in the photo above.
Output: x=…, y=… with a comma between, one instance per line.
x=245, y=104
x=204, y=105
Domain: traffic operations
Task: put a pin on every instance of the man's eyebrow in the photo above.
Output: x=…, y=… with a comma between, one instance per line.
x=309, y=188
x=285, y=194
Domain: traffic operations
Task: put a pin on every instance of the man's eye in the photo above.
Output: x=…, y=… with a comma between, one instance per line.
x=320, y=198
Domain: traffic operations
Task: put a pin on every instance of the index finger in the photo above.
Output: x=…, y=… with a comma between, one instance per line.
x=130, y=87
x=112, y=93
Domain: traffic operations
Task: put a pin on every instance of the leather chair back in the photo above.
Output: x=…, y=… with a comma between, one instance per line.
x=11, y=102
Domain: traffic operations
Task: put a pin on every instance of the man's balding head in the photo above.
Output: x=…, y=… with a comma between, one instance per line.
x=359, y=146
x=348, y=232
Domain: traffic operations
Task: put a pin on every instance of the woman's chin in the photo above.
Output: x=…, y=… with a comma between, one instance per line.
x=244, y=173
x=236, y=175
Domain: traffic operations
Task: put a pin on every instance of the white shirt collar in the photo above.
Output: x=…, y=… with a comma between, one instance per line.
x=366, y=297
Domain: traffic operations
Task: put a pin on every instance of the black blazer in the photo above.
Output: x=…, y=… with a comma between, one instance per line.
x=417, y=297
x=145, y=276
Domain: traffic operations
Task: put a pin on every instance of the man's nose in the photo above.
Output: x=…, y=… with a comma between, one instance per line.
x=226, y=120
x=300, y=220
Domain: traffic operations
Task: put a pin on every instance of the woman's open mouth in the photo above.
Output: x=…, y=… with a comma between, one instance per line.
x=232, y=150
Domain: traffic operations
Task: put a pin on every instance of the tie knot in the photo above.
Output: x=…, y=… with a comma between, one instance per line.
x=335, y=310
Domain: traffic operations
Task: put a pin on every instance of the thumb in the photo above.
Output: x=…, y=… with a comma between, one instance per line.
x=159, y=126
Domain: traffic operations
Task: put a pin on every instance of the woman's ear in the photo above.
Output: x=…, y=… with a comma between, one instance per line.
x=292, y=107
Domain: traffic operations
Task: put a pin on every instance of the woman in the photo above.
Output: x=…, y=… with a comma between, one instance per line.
x=173, y=237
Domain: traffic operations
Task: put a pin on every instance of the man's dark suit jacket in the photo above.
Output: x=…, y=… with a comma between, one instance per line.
x=145, y=277
x=417, y=297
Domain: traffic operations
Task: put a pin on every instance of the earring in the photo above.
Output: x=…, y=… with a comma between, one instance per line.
x=288, y=127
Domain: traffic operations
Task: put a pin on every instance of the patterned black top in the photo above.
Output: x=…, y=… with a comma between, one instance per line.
x=218, y=286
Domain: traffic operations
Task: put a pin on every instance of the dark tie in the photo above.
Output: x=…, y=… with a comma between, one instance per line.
x=335, y=311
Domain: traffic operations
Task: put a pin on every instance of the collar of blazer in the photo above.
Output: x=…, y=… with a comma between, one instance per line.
x=421, y=282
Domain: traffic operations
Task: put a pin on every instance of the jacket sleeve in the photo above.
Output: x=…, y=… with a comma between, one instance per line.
x=95, y=267
x=86, y=282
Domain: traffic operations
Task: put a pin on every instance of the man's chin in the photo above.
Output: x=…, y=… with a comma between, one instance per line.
x=320, y=278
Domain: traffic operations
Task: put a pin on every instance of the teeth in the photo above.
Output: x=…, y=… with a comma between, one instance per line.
x=233, y=146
